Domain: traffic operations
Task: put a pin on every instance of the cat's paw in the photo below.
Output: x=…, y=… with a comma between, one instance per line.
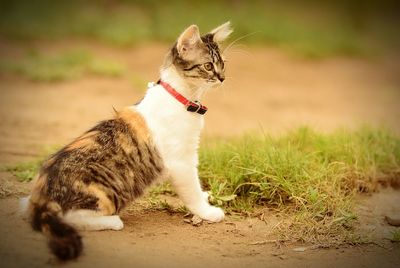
x=116, y=223
x=212, y=213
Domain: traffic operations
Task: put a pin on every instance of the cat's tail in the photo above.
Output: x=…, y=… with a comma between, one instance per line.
x=64, y=240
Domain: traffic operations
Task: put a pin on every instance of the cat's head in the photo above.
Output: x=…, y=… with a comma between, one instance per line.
x=198, y=59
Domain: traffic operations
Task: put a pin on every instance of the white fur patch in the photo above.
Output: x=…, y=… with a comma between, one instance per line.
x=222, y=32
x=91, y=221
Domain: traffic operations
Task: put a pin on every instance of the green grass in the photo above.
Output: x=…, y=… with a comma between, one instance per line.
x=58, y=67
x=25, y=171
x=395, y=235
x=307, y=178
x=310, y=177
x=302, y=168
x=309, y=28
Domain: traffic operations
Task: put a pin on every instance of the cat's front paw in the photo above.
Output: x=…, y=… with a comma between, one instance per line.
x=212, y=213
x=116, y=223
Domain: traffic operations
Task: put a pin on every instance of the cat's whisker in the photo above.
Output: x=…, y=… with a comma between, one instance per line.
x=247, y=53
x=246, y=47
x=238, y=39
x=226, y=87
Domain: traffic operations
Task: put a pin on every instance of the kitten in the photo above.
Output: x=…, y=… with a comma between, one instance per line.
x=89, y=181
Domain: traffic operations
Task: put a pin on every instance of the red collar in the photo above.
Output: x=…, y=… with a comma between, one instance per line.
x=194, y=107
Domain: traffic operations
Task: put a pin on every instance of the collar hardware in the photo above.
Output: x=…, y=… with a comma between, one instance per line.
x=193, y=107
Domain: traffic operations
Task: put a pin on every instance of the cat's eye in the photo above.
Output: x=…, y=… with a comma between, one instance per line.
x=208, y=66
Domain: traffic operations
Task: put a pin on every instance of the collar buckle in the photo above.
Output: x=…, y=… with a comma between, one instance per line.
x=193, y=107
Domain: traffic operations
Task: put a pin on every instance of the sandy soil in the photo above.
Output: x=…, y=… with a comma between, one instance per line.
x=265, y=91
x=160, y=239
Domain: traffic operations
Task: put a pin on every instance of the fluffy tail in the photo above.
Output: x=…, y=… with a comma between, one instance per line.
x=64, y=240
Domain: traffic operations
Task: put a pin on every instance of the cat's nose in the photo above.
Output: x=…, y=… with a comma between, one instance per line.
x=221, y=78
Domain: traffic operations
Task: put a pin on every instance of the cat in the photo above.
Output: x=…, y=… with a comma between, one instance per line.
x=89, y=181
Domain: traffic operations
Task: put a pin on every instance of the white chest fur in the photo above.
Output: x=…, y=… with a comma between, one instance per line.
x=175, y=131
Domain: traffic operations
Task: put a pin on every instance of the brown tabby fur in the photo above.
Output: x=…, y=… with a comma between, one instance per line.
x=102, y=170
x=209, y=52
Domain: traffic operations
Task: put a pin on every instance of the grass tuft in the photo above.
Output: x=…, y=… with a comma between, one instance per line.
x=310, y=177
x=395, y=235
x=25, y=171
x=64, y=66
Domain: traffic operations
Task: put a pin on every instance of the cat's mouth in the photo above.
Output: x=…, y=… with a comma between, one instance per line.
x=214, y=81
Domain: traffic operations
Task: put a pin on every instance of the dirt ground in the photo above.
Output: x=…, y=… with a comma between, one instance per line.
x=265, y=90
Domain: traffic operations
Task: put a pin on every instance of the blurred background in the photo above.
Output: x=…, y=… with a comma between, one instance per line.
x=325, y=64
x=308, y=27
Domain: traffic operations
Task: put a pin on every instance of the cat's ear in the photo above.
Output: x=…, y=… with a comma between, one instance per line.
x=222, y=32
x=188, y=41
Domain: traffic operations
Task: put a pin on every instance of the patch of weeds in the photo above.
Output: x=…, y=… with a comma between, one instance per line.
x=25, y=171
x=105, y=68
x=162, y=188
x=156, y=203
x=395, y=235
x=63, y=66
x=182, y=209
x=310, y=177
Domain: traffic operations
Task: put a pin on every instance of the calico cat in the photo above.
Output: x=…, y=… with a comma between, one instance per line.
x=89, y=181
